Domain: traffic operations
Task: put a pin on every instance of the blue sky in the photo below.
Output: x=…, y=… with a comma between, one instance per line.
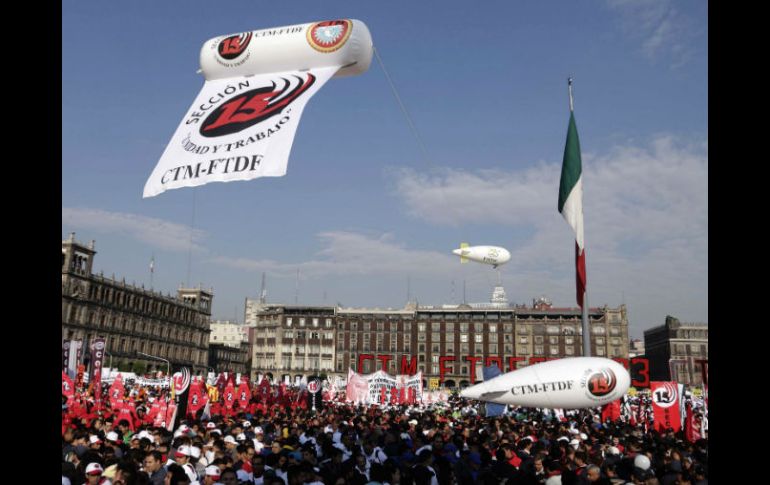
x=361, y=210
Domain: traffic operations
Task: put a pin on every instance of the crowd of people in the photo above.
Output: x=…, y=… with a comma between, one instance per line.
x=341, y=443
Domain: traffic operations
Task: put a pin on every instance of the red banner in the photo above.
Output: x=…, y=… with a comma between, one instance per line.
x=228, y=397
x=116, y=392
x=244, y=394
x=665, y=405
x=196, y=398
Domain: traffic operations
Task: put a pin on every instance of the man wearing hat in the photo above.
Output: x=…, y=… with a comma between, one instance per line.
x=211, y=475
x=94, y=473
x=182, y=455
x=113, y=441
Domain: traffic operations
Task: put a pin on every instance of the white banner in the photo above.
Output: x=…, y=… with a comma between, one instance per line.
x=239, y=128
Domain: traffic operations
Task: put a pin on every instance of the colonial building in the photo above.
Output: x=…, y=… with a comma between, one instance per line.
x=675, y=349
x=133, y=320
x=636, y=348
x=450, y=341
x=227, y=333
x=291, y=340
x=230, y=358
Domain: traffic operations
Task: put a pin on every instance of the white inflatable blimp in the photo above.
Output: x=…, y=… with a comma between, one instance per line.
x=571, y=383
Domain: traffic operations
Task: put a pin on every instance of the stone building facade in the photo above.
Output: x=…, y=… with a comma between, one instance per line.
x=132, y=319
x=450, y=341
x=675, y=349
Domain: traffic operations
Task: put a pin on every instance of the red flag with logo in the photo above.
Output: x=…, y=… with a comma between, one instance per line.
x=195, y=399
x=665, y=405
x=116, y=392
x=611, y=411
x=244, y=393
x=228, y=397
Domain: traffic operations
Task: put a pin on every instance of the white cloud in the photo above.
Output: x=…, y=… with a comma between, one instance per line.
x=148, y=230
x=660, y=27
x=646, y=220
x=348, y=253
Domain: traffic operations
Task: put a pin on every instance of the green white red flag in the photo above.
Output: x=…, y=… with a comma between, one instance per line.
x=571, y=201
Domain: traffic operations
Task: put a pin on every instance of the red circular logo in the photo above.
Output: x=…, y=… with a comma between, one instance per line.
x=330, y=35
x=231, y=47
x=313, y=386
x=602, y=382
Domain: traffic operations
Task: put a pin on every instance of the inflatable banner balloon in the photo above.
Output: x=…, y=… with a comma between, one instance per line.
x=242, y=124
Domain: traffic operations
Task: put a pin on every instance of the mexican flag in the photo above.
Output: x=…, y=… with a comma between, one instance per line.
x=571, y=201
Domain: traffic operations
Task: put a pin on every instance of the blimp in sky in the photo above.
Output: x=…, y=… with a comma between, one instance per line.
x=483, y=254
x=571, y=383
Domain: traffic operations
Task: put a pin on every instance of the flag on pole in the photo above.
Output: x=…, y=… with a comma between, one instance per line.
x=571, y=200
x=152, y=264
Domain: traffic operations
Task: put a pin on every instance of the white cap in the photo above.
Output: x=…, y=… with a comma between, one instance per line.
x=583, y=436
x=241, y=437
x=94, y=469
x=195, y=452
x=575, y=443
x=112, y=436
x=213, y=471
x=613, y=450
x=247, y=424
x=93, y=439
x=230, y=439
x=258, y=430
x=183, y=450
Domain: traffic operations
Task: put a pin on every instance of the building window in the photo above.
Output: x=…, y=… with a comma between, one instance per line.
x=614, y=330
x=554, y=350
x=478, y=338
x=288, y=322
x=598, y=329
x=569, y=350
x=508, y=328
x=407, y=327
x=552, y=329
x=450, y=327
x=463, y=327
x=553, y=340
x=569, y=340
x=522, y=340
x=463, y=337
x=301, y=322
x=493, y=337
x=421, y=327
x=366, y=326
x=538, y=339
x=380, y=326
x=599, y=340
x=538, y=350
x=421, y=348
x=435, y=337
x=492, y=328
x=328, y=323
x=600, y=351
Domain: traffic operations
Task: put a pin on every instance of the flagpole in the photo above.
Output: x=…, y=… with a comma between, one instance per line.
x=585, y=326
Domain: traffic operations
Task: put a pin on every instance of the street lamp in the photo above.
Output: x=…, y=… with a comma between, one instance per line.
x=168, y=364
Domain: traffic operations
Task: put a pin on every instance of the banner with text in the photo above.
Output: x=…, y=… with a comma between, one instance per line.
x=238, y=128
